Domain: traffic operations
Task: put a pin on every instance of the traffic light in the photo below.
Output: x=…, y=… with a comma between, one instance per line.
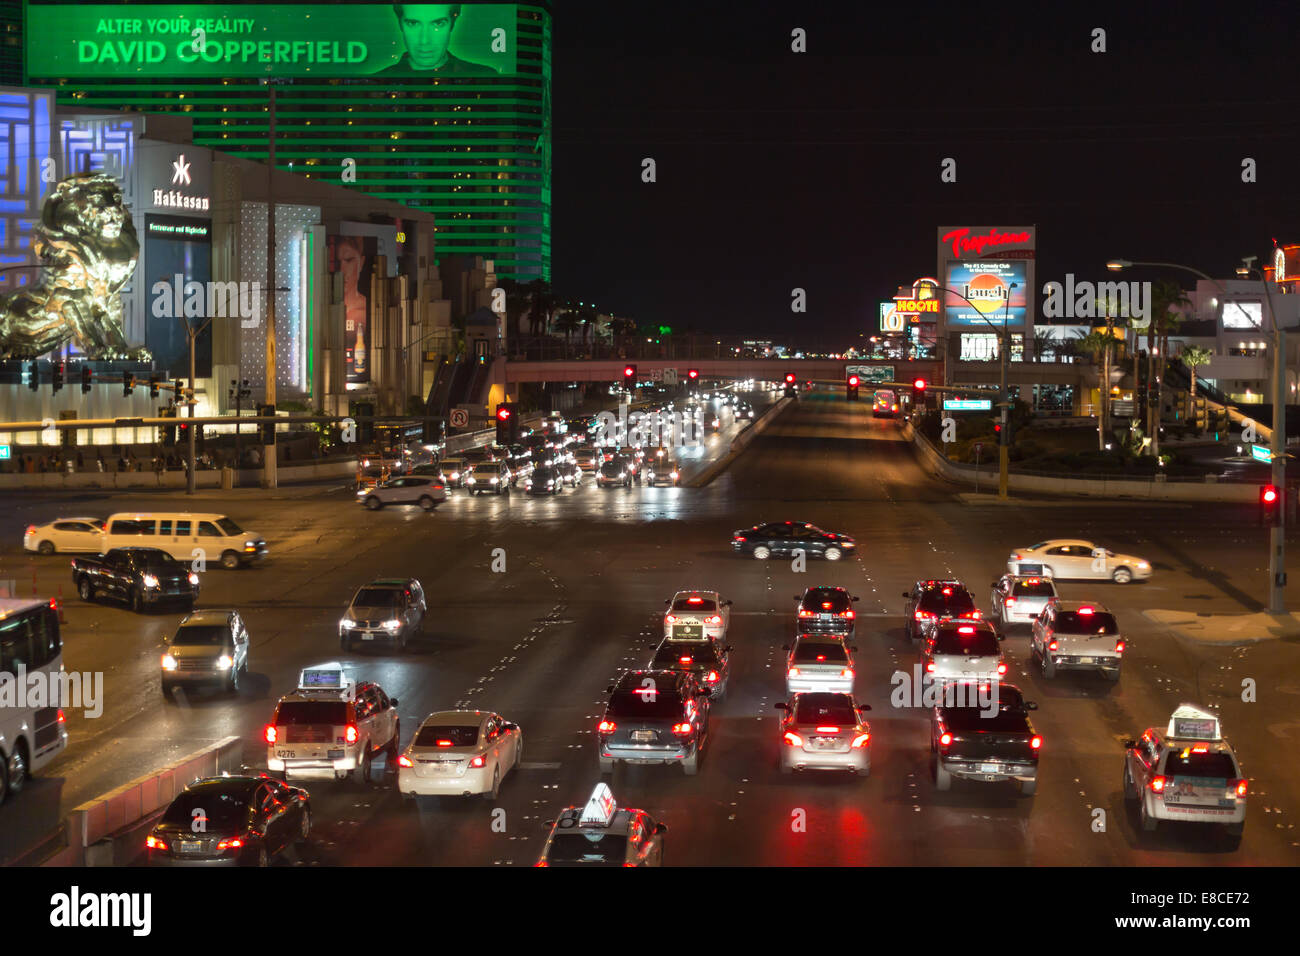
x=56, y=376
x=790, y=387
x=693, y=374
x=128, y=384
x=266, y=430
x=87, y=376
x=918, y=392
x=1270, y=505
x=153, y=386
x=183, y=433
x=167, y=433
x=852, y=388
x=178, y=392
x=507, y=424
x=34, y=376
x=629, y=377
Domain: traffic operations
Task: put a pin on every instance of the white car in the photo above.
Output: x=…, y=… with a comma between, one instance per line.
x=819, y=663
x=84, y=535
x=1070, y=558
x=1019, y=600
x=962, y=651
x=459, y=753
x=422, y=490
x=697, y=616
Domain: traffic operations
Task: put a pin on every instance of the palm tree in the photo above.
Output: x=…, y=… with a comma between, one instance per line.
x=1099, y=345
x=1043, y=343
x=567, y=322
x=1193, y=356
x=1165, y=295
x=543, y=305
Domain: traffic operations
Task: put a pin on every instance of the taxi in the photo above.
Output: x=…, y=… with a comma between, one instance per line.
x=331, y=725
x=696, y=616
x=602, y=833
x=1186, y=771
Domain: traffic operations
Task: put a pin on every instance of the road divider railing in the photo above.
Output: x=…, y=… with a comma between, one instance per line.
x=110, y=830
x=739, y=444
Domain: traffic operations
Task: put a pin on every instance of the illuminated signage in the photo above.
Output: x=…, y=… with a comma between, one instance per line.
x=922, y=299
x=916, y=306
x=1261, y=453
x=968, y=404
x=88, y=41
x=964, y=243
x=1279, y=264
x=891, y=320
x=1243, y=315
x=988, y=292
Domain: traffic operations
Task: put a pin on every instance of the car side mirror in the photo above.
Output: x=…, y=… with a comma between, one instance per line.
x=906, y=594
x=856, y=598
x=609, y=689
x=392, y=701
x=660, y=829
x=725, y=604
x=668, y=601
x=798, y=597
x=1001, y=636
x=1130, y=744
x=994, y=584
x=779, y=705
x=728, y=648
x=546, y=824
x=1030, y=705
x=853, y=648
x=864, y=707
x=785, y=647
x=509, y=725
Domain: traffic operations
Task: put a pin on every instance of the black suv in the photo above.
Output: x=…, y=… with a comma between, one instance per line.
x=931, y=600
x=826, y=610
x=247, y=819
x=708, y=660
x=654, y=716
x=785, y=537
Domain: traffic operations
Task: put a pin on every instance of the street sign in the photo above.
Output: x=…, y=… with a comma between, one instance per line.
x=670, y=376
x=4, y=452
x=871, y=373
x=967, y=404
x=1261, y=453
x=656, y=375
x=459, y=418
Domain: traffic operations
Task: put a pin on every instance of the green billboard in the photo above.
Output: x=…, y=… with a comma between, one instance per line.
x=413, y=40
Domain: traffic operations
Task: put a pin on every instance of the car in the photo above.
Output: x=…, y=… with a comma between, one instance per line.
x=697, y=615
x=68, y=535
x=654, y=717
x=586, y=458
x=958, y=650
x=613, y=474
x=1186, y=771
x=708, y=660
x=662, y=471
x=1017, y=599
x=387, y=610
x=489, y=478
x=570, y=474
x=430, y=469
x=983, y=732
x=885, y=404
x=459, y=753
x=187, y=536
x=932, y=599
x=825, y=610
x=819, y=662
x=602, y=833
x=209, y=647
x=824, y=731
x=455, y=471
x=1074, y=559
x=627, y=459
x=372, y=473
x=332, y=725
x=420, y=490
x=744, y=410
x=546, y=480
x=783, y=538
x=1077, y=635
x=141, y=577
x=246, y=819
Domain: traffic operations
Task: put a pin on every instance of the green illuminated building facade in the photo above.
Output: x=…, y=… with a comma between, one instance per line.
x=469, y=141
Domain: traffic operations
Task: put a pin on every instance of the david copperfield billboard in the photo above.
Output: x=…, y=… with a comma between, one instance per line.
x=81, y=41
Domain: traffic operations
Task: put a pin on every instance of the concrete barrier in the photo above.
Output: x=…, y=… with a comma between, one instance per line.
x=104, y=831
x=1156, y=489
x=286, y=474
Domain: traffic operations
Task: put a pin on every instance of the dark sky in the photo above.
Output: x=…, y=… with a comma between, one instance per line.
x=821, y=170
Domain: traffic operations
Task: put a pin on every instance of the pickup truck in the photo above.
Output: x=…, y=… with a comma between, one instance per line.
x=983, y=732
x=140, y=577
x=1077, y=635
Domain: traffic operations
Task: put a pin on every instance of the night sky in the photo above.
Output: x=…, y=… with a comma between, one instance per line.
x=821, y=170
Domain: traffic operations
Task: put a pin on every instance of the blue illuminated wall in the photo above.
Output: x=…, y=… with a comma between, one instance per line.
x=27, y=131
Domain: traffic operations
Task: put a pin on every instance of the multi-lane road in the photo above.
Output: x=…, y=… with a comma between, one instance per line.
x=581, y=598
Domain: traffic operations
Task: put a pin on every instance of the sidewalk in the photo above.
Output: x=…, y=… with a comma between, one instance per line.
x=1227, y=628
x=1017, y=499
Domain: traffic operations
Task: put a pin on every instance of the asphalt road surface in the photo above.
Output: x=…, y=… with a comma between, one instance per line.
x=582, y=598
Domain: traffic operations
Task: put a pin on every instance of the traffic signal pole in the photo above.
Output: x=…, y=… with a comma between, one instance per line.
x=1004, y=450
x=1277, y=532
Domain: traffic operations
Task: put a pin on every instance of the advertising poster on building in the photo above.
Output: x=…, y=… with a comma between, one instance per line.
x=354, y=257
x=988, y=287
x=434, y=40
x=178, y=257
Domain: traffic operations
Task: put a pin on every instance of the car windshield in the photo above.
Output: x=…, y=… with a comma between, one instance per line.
x=229, y=527
x=685, y=654
x=202, y=634
x=436, y=735
x=1098, y=622
x=645, y=704
x=223, y=806
x=825, y=709
x=1033, y=589
x=826, y=599
x=979, y=643
x=590, y=846
x=486, y=469
x=820, y=652
x=375, y=597
x=333, y=712
x=1189, y=763
x=611, y=469
x=958, y=601
x=695, y=604
x=158, y=561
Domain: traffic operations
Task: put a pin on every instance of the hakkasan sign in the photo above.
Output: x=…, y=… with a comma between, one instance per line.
x=82, y=41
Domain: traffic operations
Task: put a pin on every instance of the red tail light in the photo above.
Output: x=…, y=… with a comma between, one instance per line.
x=541, y=863
x=803, y=613
x=1157, y=784
x=966, y=630
x=793, y=739
x=945, y=739
x=1119, y=646
x=271, y=733
x=682, y=730
x=61, y=718
x=1010, y=600
x=826, y=605
x=929, y=667
x=404, y=761
x=351, y=734
x=828, y=730
x=712, y=678
x=670, y=618
x=924, y=616
x=861, y=740
x=975, y=614
x=1036, y=742
x=1002, y=667
x=716, y=619
x=1052, y=645
x=607, y=727
x=685, y=660
x=479, y=761
x=847, y=672
x=153, y=843
x=1241, y=788
x=1015, y=557
x=234, y=843
x=740, y=537
x=849, y=614
x=792, y=672
x=31, y=529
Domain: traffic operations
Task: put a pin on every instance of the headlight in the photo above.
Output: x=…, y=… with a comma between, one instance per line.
x=495, y=480
x=455, y=476
x=168, y=662
x=674, y=476
x=225, y=662
x=392, y=625
x=470, y=479
x=650, y=475
x=347, y=622
x=150, y=581
x=1143, y=565
x=363, y=492
x=194, y=578
x=550, y=484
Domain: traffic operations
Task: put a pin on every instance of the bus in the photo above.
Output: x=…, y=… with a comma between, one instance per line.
x=32, y=727
x=885, y=405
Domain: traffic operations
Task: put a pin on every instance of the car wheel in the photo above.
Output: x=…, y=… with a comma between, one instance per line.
x=45, y=547
x=833, y=554
x=1122, y=576
x=391, y=749
x=136, y=600
x=1049, y=665
x=942, y=778
x=1149, y=823
x=784, y=768
x=345, y=643
x=13, y=772
x=519, y=755
x=373, y=503
x=304, y=825
x=691, y=765
x=762, y=552
x=232, y=685
x=491, y=795
x=230, y=560
x=426, y=503
x=262, y=858
x=85, y=589
x=1234, y=835
x=367, y=764
x=606, y=765
x=1130, y=788
x=1028, y=787
x=1112, y=674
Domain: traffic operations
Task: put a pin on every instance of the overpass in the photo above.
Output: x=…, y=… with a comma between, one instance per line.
x=515, y=371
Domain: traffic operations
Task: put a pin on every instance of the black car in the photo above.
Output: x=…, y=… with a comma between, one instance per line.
x=983, y=732
x=141, y=577
x=231, y=820
x=826, y=610
x=654, y=716
x=545, y=480
x=785, y=537
x=932, y=600
x=707, y=660
x=613, y=473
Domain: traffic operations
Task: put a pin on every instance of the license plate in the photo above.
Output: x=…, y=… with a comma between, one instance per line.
x=1087, y=660
x=190, y=846
x=1030, y=568
x=334, y=755
x=689, y=631
x=824, y=743
x=990, y=768
x=367, y=636
x=282, y=754
x=643, y=736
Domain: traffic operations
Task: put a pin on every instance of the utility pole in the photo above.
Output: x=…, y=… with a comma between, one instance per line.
x=269, y=477
x=192, y=334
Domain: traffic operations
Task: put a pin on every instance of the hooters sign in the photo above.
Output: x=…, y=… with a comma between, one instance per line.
x=986, y=242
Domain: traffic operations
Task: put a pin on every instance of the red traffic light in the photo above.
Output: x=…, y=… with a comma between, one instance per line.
x=503, y=414
x=629, y=371
x=853, y=380
x=919, y=385
x=789, y=378
x=693, y=374
x=1268, y=495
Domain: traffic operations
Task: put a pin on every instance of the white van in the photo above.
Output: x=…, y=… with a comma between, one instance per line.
x=186, y=536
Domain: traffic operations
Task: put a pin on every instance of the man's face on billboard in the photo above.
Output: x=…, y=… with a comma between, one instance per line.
x=426, y=28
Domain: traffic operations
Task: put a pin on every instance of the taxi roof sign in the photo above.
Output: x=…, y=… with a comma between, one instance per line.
x=331, y=678
x=1190, y=722
x=600, y=807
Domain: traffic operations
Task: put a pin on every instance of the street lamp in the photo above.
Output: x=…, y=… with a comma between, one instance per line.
x=1277, y=537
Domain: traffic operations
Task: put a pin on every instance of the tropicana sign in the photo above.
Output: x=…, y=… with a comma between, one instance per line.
x=964, y=243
